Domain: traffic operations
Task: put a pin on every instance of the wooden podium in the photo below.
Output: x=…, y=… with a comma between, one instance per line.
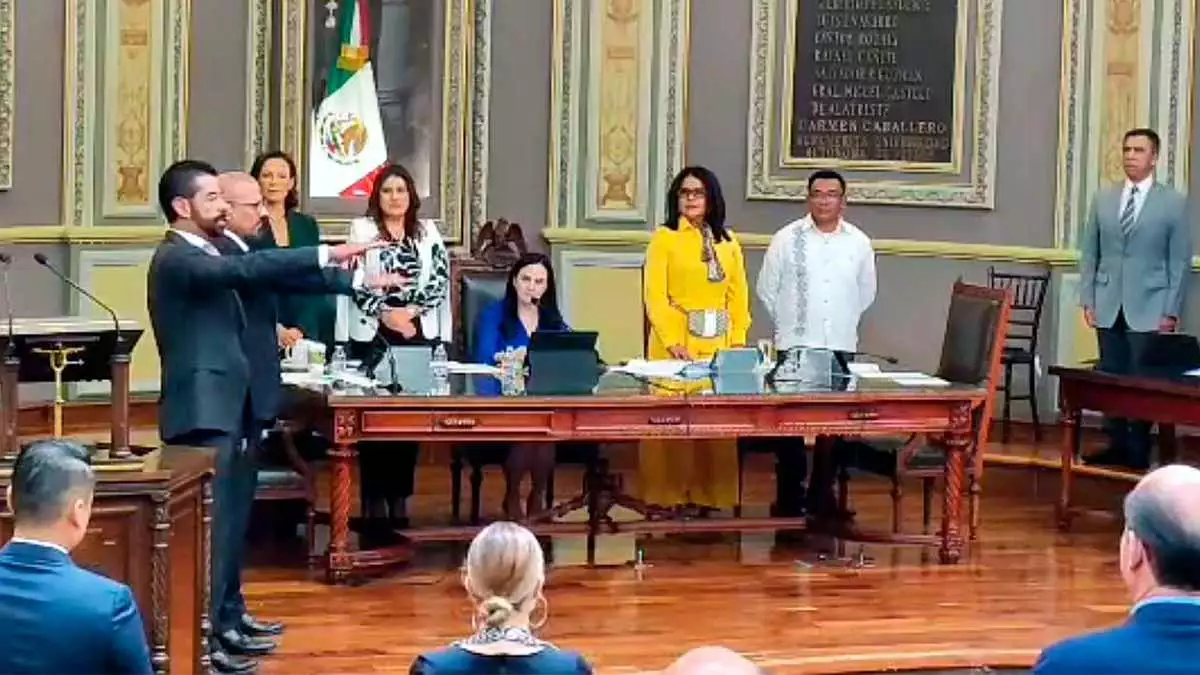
x=61, y=350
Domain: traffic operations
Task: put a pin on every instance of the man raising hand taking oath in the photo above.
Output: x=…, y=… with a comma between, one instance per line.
x=198, y=321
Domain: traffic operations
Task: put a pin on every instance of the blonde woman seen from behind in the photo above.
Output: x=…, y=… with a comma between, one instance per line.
x=504, y=576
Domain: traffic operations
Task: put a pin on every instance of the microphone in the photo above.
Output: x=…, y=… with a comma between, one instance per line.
x=40, y=258
x=890, y=360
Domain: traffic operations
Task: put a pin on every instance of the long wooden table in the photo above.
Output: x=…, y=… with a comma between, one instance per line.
x=624, y=408
x=1165, y=401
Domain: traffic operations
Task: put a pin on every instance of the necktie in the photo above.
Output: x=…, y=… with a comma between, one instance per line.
x=1127, y=213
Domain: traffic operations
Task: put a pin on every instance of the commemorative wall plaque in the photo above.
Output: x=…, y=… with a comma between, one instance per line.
x=876, y=84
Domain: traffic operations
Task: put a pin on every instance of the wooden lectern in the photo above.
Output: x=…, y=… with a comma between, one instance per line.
x=61, y=350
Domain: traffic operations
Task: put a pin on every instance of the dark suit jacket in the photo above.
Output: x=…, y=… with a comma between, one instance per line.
x=1160, y=638
x=259, y=341
x=198, y=320
x=58, y=618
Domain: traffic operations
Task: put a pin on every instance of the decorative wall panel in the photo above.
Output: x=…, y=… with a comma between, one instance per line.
x=617, y=110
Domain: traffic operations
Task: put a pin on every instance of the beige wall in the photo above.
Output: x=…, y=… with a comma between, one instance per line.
x=519, y=121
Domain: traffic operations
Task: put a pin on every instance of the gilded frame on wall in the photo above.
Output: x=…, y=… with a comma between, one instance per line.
x=771, y=176
x=109, y=46
x=461, y=173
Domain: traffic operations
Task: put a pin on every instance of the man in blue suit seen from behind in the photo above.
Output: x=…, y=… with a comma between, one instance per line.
x=1160, y=565
x=55, y=616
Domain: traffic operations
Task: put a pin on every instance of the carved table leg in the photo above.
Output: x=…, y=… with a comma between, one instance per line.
x=159, y=580
x=957, y=443
x=9, y=405
x=206, y=503
x=1070, y=441
x=340, y=562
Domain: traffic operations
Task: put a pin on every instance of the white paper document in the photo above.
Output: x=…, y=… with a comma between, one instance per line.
x=871, y=371
x=472, y=368
x=658, y=368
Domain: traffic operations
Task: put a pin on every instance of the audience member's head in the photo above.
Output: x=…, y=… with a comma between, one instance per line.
x=712, y=661
x=504, y=574
x=51, y=493
x=190, y=197
x=247, y=212
x=1160, y=548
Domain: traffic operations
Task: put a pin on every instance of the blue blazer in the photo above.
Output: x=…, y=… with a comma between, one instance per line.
x=458, y=661
x=490, y=340
x=1159, y=638
x=58, y=618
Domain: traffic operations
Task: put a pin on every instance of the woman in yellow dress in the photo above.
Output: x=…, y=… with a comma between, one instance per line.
x=697, y=302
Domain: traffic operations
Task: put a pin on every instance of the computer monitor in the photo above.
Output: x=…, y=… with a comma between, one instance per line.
x=563, y=341
x=562, y=363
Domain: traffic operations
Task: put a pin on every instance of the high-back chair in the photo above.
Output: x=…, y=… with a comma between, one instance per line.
x=1021, y=341
x=972, y=346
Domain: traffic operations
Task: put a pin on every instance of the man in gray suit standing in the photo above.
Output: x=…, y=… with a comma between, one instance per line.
x=1135, y=255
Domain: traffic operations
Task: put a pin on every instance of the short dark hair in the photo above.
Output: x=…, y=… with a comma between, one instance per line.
x=179, y=180
x=46, y=475
x=1146, y=133
x=1173, y=548
x=826, y=174
x=714, y=201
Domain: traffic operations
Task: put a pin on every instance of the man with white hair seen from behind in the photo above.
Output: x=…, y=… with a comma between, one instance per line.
x=713, y=661
x=1160, y=565
x=46, y=601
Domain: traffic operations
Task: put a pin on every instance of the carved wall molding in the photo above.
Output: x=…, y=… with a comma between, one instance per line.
x=619, y=90
x=125, y=106
x=1110, y=84
x=8, y=84
x=466, y=83
x=258, y=80
x=768, y=177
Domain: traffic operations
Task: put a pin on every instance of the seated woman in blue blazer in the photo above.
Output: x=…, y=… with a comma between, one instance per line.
x=504, y=574
x=530, y=304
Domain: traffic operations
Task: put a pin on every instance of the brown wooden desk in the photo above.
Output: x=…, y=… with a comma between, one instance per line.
x=151, y=530
x=1163, y=401
x=625, y=409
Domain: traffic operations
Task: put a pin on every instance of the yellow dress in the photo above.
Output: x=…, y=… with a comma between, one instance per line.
x=673, y=472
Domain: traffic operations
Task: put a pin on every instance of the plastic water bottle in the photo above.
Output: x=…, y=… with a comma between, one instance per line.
x=439, y=368
x=508, y=371
x=337, y=364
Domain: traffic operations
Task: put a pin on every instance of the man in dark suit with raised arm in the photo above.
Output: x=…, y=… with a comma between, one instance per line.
x=205, y=399
x=54, y=616
x=260, y=343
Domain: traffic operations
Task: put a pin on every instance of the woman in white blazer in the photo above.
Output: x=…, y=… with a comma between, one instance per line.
x=418, y=313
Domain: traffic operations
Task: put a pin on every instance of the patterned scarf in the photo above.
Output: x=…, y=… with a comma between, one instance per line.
x=708, y=255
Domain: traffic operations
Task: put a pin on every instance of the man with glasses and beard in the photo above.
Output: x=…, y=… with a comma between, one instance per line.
x=206, y=400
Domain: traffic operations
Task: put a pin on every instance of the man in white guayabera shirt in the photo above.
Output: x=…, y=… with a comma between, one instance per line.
x=817, y=279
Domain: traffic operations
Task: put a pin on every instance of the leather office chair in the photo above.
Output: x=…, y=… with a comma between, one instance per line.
x=477, y=282
x=972, y=347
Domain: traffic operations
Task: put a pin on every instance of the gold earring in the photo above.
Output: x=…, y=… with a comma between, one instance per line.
x=545, y=611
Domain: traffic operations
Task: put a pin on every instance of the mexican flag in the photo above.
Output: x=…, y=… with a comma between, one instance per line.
x=347, y=148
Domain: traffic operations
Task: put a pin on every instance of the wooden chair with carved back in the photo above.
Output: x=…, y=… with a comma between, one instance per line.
x=972, y=347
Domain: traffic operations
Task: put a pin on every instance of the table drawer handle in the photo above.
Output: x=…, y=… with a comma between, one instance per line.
x=666, y=420
x=458, y=422
x=863, y=414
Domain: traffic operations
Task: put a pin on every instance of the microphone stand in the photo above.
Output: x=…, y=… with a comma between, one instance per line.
x=119, y=362
x=10, y=374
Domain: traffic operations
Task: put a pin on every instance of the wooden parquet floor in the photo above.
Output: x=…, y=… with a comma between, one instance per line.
x=1023, y=585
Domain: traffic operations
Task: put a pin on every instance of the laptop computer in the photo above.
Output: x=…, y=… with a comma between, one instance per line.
x=562, y=363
